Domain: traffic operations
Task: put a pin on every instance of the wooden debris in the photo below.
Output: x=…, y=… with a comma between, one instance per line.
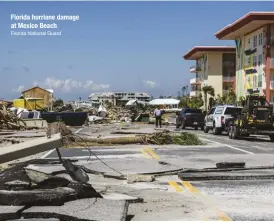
x=9, y=120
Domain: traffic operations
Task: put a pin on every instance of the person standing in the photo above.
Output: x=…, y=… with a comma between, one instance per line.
x=158, y=116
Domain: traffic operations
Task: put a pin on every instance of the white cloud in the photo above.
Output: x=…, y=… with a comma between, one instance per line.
x=148, y=83
x=19, y=89
x=69, y=85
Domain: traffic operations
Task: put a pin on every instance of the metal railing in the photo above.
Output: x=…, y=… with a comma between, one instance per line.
x=196, y=68
x=228, y=78
x=225, y=92
x=194, y=93
x=272, y=84
x=194, y=80
x=228, y=63
x=271, y=42
x=271, y=62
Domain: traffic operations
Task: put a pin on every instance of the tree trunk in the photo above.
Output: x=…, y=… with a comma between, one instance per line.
x=205, y=99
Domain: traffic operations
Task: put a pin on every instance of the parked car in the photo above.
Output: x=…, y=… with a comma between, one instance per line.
x=217, y=118
x=189, y=117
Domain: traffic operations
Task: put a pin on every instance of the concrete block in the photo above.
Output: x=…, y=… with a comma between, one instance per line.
x=92, y=209
x=36, y=123
x=132, y=178
x=30, y=147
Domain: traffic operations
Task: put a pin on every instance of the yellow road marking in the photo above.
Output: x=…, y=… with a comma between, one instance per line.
x=153, y=154
x=146, y=154
x=221, y=215
x=176, y=186
x=189, y=187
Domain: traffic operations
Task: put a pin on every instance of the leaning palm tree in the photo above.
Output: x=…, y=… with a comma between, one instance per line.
x=207, y=90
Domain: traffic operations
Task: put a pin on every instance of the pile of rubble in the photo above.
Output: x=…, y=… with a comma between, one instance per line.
x=26, y=192
x=9, y=120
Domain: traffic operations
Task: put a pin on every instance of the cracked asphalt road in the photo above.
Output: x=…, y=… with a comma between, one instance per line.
x=187, y=200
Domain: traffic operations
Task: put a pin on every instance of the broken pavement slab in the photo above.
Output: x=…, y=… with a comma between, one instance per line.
x=92, y=209
x=132, y=178
x=29, y=147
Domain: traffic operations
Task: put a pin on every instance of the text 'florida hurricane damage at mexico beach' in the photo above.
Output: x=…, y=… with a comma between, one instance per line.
x=39, y=25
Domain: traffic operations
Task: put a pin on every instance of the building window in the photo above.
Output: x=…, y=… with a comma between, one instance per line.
x=254, y=81
x=254, y=41
x=260, y=39
x=248, y=41
x=260, y=80
x=254, y=61
x=260, y=58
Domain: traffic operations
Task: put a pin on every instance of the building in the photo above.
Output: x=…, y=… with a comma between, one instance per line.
x=119, y=98
x=254, y=38
x=38, y=92
x=102, y=97
x=214, y=66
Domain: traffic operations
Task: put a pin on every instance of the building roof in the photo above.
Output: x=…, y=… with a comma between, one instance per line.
x=101, y=94
x=34, y=88
x=198, y=51
x=164, y=101
x=246, y=24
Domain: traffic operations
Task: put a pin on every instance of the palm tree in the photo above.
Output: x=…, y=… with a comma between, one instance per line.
x=207, y=90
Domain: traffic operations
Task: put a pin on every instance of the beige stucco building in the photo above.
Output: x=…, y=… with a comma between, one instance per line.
x=254, y=38
x=215, y=66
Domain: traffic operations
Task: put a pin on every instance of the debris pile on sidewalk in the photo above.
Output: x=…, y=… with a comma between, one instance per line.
x=165, y=137
x=159, y=138
x=9, y=120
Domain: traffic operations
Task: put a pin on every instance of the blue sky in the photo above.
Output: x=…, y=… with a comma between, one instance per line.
x=115, y=46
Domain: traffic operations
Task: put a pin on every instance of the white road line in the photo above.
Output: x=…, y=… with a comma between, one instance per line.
x=47, y=154
x=232, y=147
x=78, y=130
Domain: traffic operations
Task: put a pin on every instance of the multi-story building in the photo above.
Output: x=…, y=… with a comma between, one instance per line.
x=254, y=38
x=215, y=66
x=119, y=98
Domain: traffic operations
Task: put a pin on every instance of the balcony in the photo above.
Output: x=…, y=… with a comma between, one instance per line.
x=195, y=81
x=272, y=85
x=272, y=63
x=228, y=64
x=228, y=79
x=225, y=92
x=194, y=93
x=271, y=42
x=194, y=69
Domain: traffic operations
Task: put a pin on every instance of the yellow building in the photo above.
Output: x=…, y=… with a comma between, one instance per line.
x=40, y=93
x=254, y=38
x=215, y=66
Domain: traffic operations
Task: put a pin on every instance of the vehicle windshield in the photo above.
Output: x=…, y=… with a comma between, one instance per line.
x=193, y=111
x=232, y=111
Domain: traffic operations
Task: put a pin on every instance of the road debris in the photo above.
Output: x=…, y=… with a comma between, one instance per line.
x=133, y=178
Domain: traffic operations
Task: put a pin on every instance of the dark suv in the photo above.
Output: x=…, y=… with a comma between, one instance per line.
x=190, y=117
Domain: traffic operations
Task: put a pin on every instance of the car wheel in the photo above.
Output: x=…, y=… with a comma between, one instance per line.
x=234, y=134
x=271, y=137
x=215, y=130
x=196, y=128
x=230, y=130
x=205, y=129
x=202, y=128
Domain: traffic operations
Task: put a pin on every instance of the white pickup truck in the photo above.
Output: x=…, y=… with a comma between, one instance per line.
x=216, y=118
